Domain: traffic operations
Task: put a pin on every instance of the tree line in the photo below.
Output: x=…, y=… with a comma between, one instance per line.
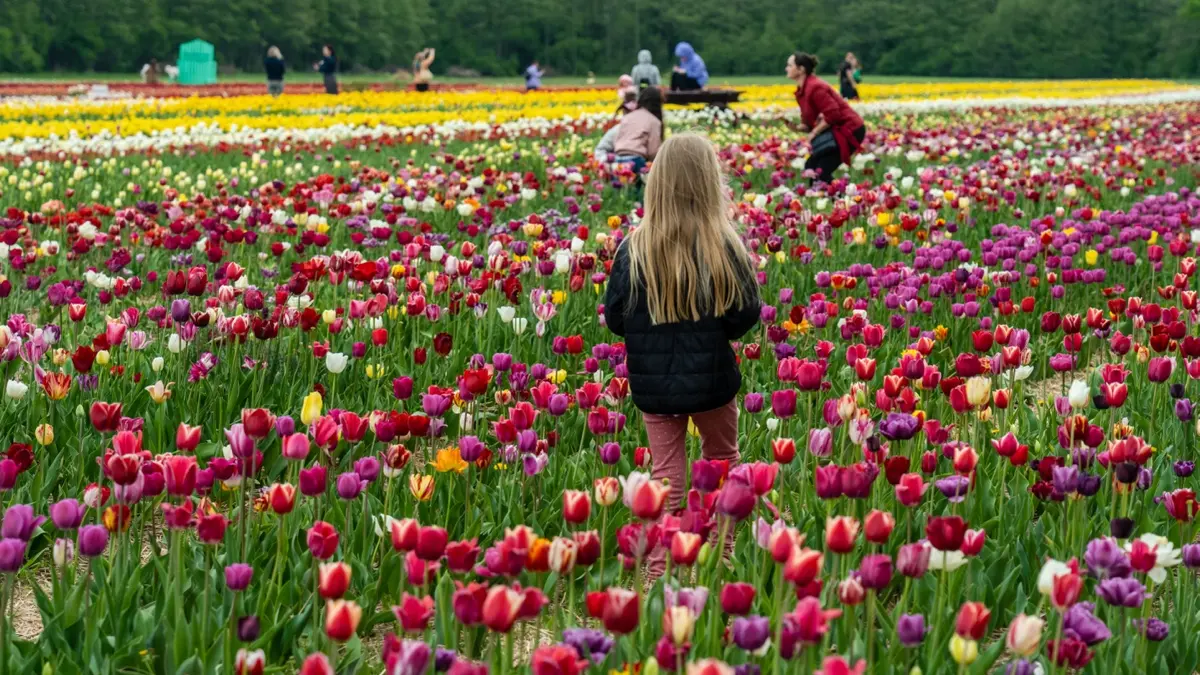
x=964, y=38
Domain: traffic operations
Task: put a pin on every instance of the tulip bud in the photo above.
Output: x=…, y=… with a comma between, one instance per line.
x=705, y=552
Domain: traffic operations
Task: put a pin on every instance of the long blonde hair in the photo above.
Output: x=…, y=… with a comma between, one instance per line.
x=686, y=250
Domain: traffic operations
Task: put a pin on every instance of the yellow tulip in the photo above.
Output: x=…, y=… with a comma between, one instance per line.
x=557, y=377
x=102, y=357
x=310, y=410
x=421, y=487
x=979, y=390
x=44, y=434
x=963, y=651
x=1091, y=256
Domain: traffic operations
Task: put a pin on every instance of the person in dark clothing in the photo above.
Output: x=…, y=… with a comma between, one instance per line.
x=275, y=68
x=848, y=77
x=328, y=68
x=836, y=131
x=681, y=288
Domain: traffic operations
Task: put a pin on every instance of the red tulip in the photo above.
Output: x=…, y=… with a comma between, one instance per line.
x=1065, y=591
x=577, y=506
x=467, y=603
x=316, y=664
x=501, y=608
x=1116, y=393
x=180, y=474
x=187, y=437
x=333, y=579
x=803, y=566
x=282, y=497
x=648, y=500
x=837, y=665
x=617, y=609
x=783, y=542
x=257, y=422
x=864, y=369
x=973, y=542
x=405, y=533
x=758, y=475
x=972, y=620
x=341, y=619
x=737, y=598
x=945, y=533
x=105, y=416
x=461, y=555
x=851, y=592
x=431, y=542
x=322, y=540
x=783, y=450
x=877, y=527
x=810, y=621
x=1142, y=556
x=557, y=660
x=210, y=529
x=840, y=532
x=589, y=547
x=808, y=376
x=685, y=548
x=413, y=613
x=1159, y=369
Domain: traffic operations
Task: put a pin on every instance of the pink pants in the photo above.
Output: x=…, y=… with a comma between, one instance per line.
x=668, y=449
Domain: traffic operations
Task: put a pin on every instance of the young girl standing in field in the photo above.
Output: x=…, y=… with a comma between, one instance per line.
x=681, y=288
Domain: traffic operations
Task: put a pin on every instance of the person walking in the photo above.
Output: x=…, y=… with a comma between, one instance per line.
x=328, y=66
x=682, y=287
x=645, y=73
x=533, y=77
x=422, y=76
x=275, y=67
x=691, y=73
x=835, y=131
x=150, y=72
x=641, y=131
x=848, y=77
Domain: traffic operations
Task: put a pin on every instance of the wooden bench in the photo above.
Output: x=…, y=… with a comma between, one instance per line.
x=716, y=98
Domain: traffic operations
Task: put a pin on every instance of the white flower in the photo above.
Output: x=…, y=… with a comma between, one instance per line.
x=946, y=560
x=528, y=194
x=335, y=362
x=175, y=344
x=1069, y=190
x=436, y=252
x=1166, y=555
x=465, y=209
x=383, y=524
x=1053, y=568
x=519, y=324
x=507, y=312
x=1079, y=395
x=772, y=423
x=157, y=364
x=16, y=389
x=562, y=262
x=466, y=422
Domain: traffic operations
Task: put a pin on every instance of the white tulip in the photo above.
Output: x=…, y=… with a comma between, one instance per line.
x=16, y=389
x=1053, y=568
x=1079, y=395
x=562, y=262
x=519, y=324
x=335, y=362
x=506, y=313
x=436, y=252
x=157, y=364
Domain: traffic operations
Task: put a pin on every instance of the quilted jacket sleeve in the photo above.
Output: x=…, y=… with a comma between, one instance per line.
x=616, y=297
x=738, y=321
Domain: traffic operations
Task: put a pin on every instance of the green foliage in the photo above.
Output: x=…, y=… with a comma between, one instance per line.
x=985, y=38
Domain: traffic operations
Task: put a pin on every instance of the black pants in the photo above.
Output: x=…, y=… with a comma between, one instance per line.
x=683, y=82
x=827, y=163
x=422, y=86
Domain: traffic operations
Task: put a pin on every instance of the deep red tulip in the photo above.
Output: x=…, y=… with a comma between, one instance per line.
x=282, y=497
x=783, y=450
x=461, y=555
x=180, y=471
x=877, y=527
x=258, y=422
x=210, y=529
x=322, y=540
x=413, y=613
x=737, y=598
x=105, y=417
x=945, y=533
x=1065, y=590
x=431, y=542
x=589, y=547
x=617, y=609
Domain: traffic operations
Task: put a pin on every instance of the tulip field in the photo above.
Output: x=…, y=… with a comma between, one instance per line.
x=323, y=385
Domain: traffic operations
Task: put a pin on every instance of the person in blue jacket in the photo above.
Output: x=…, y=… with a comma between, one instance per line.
x=328, y=69
x=691, y=73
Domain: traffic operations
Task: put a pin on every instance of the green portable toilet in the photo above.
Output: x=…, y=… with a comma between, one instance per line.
x=196, y=64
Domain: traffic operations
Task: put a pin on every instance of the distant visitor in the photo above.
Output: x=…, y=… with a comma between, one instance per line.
x=835, y=131
x=273, y=64
x=422, y=76
x=849, y=75
x=327, y=66
x=690, y=74
x=533, y=76
x=150, y=72
x=645, y=73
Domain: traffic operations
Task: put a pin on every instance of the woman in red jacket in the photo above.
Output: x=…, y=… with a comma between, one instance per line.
x=836, y=131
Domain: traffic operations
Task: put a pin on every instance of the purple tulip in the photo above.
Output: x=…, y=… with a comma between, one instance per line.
x=820, y=442
x=349, y=485
x=1019, y=667
x=247, y=628
x=1191, y=555
x=899, y=426
x=610, y=453
x=443, y=658
x=751, y=632
x=12, y=554
x=367, y=469
x=875, y=571
x=1155, y=630
x=285, y=426
x=92, y=540
x=470, y=448
x=1105, y=559
x=1184, y=468
x=412, y=657
x=753, y=403
x=736, y=500
x=589, y=643
x=558, y=405
x=911, y=629
x=953, y=487
x=238, y=576
x=1081, y=623
x=67, y=514
x=1122, y=592
x=8, y=474
x=20, y=522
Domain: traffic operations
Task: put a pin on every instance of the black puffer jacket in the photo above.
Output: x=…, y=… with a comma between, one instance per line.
x=677, y=368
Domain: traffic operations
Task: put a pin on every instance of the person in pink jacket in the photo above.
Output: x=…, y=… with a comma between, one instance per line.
x=641, y=132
